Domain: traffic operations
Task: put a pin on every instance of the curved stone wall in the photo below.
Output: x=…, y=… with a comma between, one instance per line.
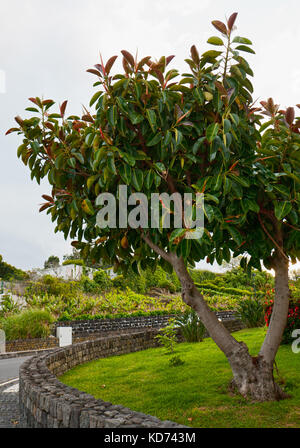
x=47, y=403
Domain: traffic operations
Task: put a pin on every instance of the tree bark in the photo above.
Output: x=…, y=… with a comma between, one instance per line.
x=280, y=309
x=252, y=376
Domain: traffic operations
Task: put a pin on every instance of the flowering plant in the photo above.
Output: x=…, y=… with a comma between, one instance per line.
x=293, y=319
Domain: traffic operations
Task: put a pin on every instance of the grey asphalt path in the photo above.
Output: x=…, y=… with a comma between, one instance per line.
x=9, y=368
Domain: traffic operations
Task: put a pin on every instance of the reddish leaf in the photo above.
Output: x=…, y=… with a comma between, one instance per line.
x=33, y=100
x=126, y=66
x=221, y=88
x=231, y=20
x=159, y=75
x=49, y=126
x=19, y=120
x=43, y=207
x=220, y=26
x=109, y=64
x=129, y=58
x=45, y=102
x=99, y=67
x=94, y=72
x=47, y=198
x=169, y=59
x=143, y=62
x=195, y=54
x=11, y=130
x=63, y=108
x=88, y=118
x=290, y=115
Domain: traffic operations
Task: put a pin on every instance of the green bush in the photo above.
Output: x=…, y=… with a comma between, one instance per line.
x=27, y=325
x=200, y=276
x=102, y=279
x=8, y=306
x=53, y=286
x=89, y=286
x=191, y=327
x=251, y=312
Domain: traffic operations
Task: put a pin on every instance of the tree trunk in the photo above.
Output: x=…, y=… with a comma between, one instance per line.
x=280, y=309
x=252, y=376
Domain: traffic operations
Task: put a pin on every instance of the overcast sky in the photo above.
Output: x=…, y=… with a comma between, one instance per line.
x=46, y=47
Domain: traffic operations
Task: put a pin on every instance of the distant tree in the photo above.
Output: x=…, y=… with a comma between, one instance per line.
x=8, y=272
x=52, y=262
x=75, y=255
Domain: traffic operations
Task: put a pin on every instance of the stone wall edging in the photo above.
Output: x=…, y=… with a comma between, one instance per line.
x=47, y=403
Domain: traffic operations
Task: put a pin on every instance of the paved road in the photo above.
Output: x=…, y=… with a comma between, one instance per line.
x=9, y=405
x=9, y=388
x=9, y=368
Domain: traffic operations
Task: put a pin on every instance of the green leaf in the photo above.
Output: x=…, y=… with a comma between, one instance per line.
x=112, y=116
x=135, y=118
x=178, y=136
x=212, y=131
x=211, y=54
x=235, y=234
x=209, y=212
x=214, y=40
x=72, y=162
x=87, y=207
x=91, y=180
x=282, y=209
x=154, y=140
x=95, y=97
x=59, y=161
x=125, y=173
x=245, y=48
x=137, y=179
x=227, y=125
x=149, y=179
x=177, y=233
x=151, y=117
x=240, y=180
x=210, y=197
x=79, y=157
x=242, y=40
x=111, y=164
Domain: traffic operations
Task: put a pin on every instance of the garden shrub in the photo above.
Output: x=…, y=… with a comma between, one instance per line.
x=8, y=306
x=293, y=319
x=89, y=286
x=190, y=325
x=102, y=279
x=53, y=286
x=251, y=312
x=27, y=325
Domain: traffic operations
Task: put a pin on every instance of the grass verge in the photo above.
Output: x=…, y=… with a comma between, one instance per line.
x=194, y=394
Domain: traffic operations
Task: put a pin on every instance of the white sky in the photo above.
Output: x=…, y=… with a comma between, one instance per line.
x=46, y=47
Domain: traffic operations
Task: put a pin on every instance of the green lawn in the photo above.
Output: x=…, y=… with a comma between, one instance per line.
x=195, y=393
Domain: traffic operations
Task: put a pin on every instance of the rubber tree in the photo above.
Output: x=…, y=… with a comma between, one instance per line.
x=156, y=131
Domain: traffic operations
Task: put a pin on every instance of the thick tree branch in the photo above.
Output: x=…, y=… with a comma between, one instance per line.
x=165, y=255
x=271, y=238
